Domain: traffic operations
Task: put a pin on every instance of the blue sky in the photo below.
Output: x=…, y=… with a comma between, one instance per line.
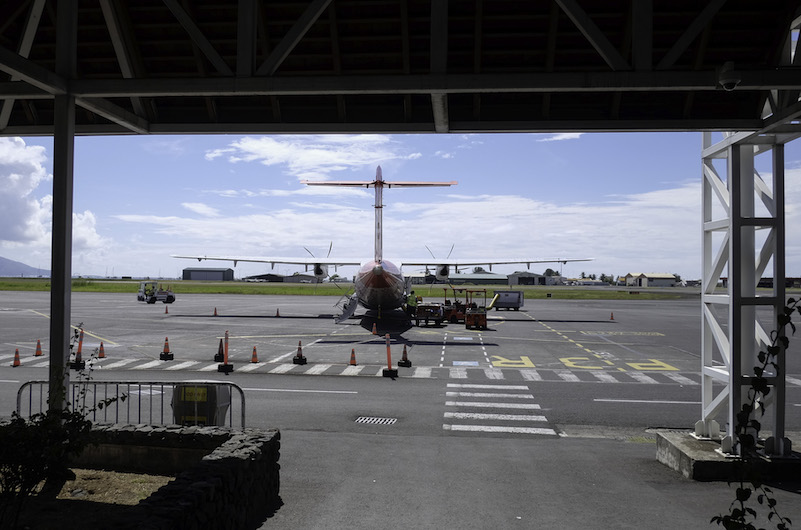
x=630, y=200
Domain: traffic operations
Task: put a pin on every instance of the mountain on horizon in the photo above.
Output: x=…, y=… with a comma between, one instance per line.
x=10, y=268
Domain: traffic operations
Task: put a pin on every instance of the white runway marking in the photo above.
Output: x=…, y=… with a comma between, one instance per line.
x=486, y=387
x=481, y=404
x=488, y=395
x=642, y=378
x=500, y=417
x=494, y=428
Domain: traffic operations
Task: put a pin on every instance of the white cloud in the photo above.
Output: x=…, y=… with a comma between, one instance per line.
x=201, y=209
x=315, y=157
x=21, y=212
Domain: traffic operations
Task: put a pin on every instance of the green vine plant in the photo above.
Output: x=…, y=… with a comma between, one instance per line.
x=37, y=450
x=741, y=515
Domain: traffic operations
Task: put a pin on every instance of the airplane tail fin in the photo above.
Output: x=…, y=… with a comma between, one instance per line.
x=379, y=183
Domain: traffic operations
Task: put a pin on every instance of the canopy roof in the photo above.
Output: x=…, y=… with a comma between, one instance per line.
x=312, y=66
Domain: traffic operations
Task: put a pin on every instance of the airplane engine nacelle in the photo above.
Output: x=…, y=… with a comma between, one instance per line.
x=320, y=271
x=442, y=272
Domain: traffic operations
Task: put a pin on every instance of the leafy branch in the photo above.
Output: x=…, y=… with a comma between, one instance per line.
x=741, y=515
x=36, y=451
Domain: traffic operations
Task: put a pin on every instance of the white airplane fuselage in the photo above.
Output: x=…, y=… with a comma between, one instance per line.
x=380, y=286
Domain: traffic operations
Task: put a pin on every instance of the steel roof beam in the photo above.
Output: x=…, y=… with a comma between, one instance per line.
x=115, y=113
x=422, y=84
x=439, y=61
x=117, y=33
x=291, y=39
x=594, y=35
x=690, y=34
x=198, y=37
x=31, y=25
x=21, y=68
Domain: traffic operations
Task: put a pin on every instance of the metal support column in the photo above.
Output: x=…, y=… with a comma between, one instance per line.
x=61, y=247
x=732, y=334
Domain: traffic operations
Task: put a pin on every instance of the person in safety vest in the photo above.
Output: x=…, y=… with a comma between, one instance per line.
x=411, y=304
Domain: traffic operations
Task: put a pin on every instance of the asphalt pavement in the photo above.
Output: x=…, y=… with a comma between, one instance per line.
x=545, y=420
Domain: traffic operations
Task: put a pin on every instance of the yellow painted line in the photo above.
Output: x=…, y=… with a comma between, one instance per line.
x=101, y=339
x=105, y=341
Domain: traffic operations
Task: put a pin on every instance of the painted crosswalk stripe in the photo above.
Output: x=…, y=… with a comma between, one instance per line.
x=493, y=373
x=793, y=380
x=318, y=369
x=567, y=375
x=482, y=404
x=487, y=387
x=495, y=428
x=151, y=364
x=249, y=367
x=680, y=379
x=117, y=364
x=181, y=366
x=458, y=373
x=499, y=417
x=41, y=365
x=352, y=370
x=604, y=377
x=422, y=372
x=209, y=368
x=531, y=375
x=488, y=395
x=282, y=368
x=642, y=378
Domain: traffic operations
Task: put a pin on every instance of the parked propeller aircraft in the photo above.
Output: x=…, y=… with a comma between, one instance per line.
x=379, y=283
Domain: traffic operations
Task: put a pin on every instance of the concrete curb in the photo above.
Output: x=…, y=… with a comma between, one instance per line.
x=698, y=459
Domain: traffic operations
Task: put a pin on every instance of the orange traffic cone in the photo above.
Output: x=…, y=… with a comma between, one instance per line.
x=220, y=356
x=375, y=330
x=278, y=312
x=405, y=362
x=166, y=309
x=299, y=358
x=215, y=311
x=353, y=357
x=79, y=363
x=16, y=358
x=255, y=358
x=611, y=316
x=38, y=349
x=102, y=353
x=165, y=354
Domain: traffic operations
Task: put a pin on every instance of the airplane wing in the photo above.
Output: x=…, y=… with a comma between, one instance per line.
x=275, y=259
x=470, y=262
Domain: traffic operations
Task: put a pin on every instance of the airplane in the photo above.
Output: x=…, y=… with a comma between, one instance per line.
x=379, y=284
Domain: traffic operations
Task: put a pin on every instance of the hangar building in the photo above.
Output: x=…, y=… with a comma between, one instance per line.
x=224, y=275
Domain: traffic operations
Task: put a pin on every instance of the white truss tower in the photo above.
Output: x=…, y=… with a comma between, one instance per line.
x=743, y=232
x=746, y=235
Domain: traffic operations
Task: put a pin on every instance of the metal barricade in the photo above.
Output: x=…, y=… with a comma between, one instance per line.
x=145, y=402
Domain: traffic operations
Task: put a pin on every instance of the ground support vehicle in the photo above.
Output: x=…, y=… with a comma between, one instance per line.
x=455, y=311
x=508, y=300
x=429, y=312
x=152, y=292
x=476, y=317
